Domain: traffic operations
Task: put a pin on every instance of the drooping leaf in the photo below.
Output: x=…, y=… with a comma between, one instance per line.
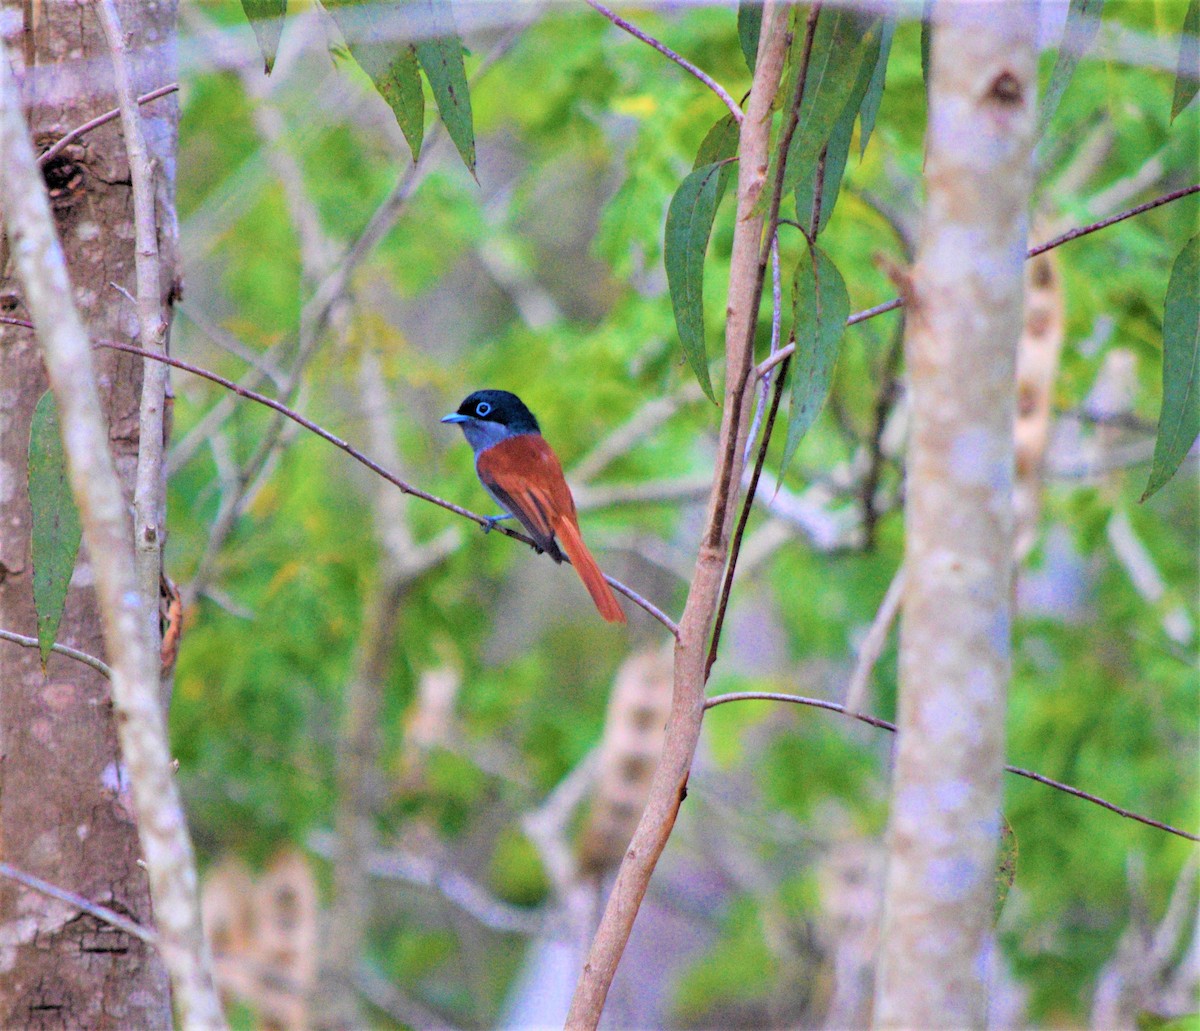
x=1006, y=867
x=266, y=19
x=56, y=531
x=1083, y=22
x=391, y=64
x=689, y=223
x=833, y=70
x=720, y=144
x=1187, y=78
x=1179, y=420
x=926, y=41
x=869, y=109
x=442, y=58
x=838, y=148
x=821, y=306
x=749, y=26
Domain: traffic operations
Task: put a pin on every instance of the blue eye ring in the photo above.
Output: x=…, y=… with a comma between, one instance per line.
x=483, y=409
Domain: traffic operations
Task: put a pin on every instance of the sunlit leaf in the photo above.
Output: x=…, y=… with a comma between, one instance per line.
x=56, y=531
x=266, y=19
x=689, y=223
x=833, y=71
x=390, y=64
x=749, y=26
x=442, y=59
x=821, y=306
x=1187, y=78
x=1083, y=22
x=869, y=109
x=1179, y=421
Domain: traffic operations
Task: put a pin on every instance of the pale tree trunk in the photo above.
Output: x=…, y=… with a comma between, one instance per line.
x=65, y=808
x=964, y=320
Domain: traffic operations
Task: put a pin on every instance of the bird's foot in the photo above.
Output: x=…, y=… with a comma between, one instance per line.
x=489, y=524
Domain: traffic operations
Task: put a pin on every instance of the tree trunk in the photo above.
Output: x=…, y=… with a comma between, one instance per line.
x=65, y=812
x=964, y=319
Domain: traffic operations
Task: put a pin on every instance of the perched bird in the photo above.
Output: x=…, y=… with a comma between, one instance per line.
x=524, y=476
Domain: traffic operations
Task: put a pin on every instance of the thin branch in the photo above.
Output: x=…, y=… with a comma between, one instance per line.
x=1058, y=241
x=375, y=467
x=52, y=152
x=764, y=394
x=875, y=721
x=667, y=52
x=8, y=320
x=102, y=913
x=62, y=649
x=736, y=546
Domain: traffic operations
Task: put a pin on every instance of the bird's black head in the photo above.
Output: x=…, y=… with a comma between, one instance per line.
x=499, y=406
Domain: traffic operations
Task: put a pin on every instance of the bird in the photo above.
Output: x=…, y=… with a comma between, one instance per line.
x=524, y=477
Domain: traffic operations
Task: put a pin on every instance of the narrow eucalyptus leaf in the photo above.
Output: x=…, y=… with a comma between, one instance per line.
x=1179, y=420
x=821, y=306
x=869, y=109
x=266, y=19
x=749, y=25
x=720, y=144
x=390, y=63
x=1187, y=78
x=442, y=59
x=56, y=532
x=689, y=224
x=1006, y=867
x=1083, y=22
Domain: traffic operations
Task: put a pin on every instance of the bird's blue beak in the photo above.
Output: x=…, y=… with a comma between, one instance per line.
x=454, y=417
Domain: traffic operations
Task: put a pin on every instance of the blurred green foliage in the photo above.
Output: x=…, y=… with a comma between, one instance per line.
x=584, y=134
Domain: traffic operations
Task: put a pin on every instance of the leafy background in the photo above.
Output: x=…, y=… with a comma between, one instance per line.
x=546, y=276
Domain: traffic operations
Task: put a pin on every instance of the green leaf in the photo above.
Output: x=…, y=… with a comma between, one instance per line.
x=720, y=144
x=1187, y=78
x=1179, y=421
x=390, y=65
x=689, y=223
x=874, y=95
x=820, y=307
x=442, y=59
x=749, y=26
x=1083, y=22
x=266, y=19
x=833, y=72
x=56, y=531
x=838, y=148
x=926, y=40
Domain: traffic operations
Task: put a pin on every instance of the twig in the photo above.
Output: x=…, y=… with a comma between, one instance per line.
x=736, y=546
x=103, y=913
x=374, y=466
x=1074, y=234
x=764, y=394
x=62, y=649
x=162, y=826
x=667, y=52
x=872, y=645
x=8, y=320
x=149, y=492
x=875, y=721
x=53, y=151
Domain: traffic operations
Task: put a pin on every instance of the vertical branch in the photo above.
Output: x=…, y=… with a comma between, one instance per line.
x=964, y=321
x=149, y=493
x=135, y=661
x=687, y=704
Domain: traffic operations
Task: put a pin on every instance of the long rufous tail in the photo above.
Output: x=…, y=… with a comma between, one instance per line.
x=568, y=536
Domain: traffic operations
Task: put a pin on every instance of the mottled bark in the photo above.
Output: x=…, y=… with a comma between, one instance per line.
x=65, y=811
x=963, y=325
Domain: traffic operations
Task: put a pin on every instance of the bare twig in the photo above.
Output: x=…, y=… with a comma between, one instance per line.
x=162, y=827
x=875, y=721
x=149, y=493
x=375, y=467
x=108, y=916
x=62, y=649
x=872, y=645
x=1074, y=234
x=57, y=148
x=667, y=52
